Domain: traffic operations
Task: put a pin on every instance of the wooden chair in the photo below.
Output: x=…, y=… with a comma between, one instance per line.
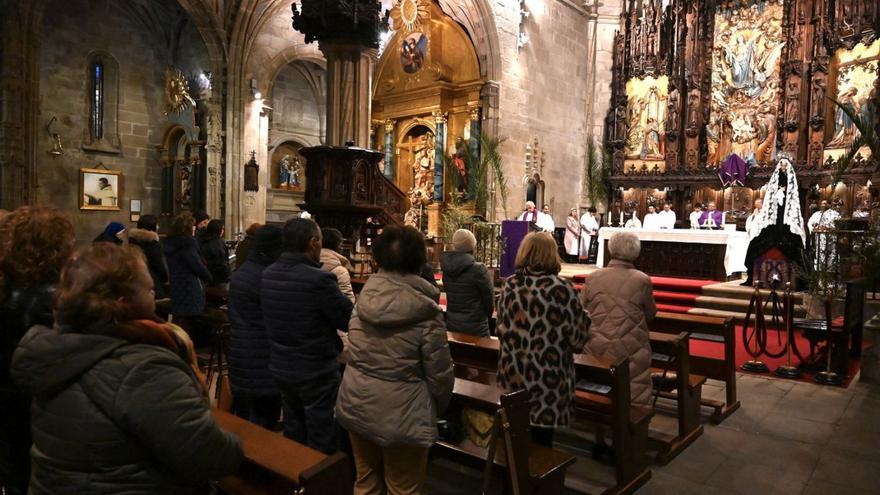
x=711, y=329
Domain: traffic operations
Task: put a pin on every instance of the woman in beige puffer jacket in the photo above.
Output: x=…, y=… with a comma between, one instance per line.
x=620, y=301
x=399, y=375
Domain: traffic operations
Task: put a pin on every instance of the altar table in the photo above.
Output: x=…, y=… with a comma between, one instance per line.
x=688, y=253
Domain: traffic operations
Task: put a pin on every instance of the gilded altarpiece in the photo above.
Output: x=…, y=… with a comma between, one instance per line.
x=745, y=83
x=426, y=100
x=750, y=77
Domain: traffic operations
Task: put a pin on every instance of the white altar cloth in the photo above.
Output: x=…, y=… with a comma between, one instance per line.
x=734, y=256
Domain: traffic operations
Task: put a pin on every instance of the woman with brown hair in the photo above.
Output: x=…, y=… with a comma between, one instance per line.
x=541, y=325
x=117, y=406
x=186, y=269
x=34, y=244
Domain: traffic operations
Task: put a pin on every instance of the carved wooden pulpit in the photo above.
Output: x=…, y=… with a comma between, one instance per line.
x=345, y=187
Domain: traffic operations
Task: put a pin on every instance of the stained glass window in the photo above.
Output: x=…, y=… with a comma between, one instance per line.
x=98, y=100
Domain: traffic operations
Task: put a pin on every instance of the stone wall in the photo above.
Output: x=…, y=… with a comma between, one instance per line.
x=72, y=30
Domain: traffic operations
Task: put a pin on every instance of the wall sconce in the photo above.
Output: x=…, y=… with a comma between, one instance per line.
x=256, y=94
x=56, y=149
x=252, y=174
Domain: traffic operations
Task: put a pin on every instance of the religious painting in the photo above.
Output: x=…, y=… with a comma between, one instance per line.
x=745, y=81
x=288, y=168
x=412, y=52
x=856, y=73
x=646, y=119
x=99, y=189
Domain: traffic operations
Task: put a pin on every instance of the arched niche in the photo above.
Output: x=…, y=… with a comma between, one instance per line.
x=286, y=156
x=535, y=190
x=183, y=176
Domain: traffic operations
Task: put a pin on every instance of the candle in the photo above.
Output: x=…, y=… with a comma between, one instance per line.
x=621, y=218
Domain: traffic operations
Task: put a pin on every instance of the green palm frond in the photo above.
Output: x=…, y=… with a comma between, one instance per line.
x=864, y=122
x=595, y=171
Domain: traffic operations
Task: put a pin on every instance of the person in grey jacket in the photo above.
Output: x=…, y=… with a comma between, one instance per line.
x=399, y=374
x=117, y=406
x=468, y=289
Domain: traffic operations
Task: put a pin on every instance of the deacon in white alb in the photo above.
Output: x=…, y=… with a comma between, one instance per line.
x=652, y=220
x=667, y=217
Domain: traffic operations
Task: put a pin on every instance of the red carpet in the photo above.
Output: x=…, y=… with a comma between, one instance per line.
x=669, y=284
x=715, y=350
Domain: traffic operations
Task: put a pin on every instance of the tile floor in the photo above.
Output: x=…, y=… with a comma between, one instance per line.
x=787, y=438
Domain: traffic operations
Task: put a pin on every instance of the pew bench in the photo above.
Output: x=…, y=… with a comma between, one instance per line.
x=275, y=465
x=607, y=404
x=528, y=467
x=602, y=398
x=712, y=329
x=672, y=379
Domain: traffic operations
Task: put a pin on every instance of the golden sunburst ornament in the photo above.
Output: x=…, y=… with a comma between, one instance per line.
x=409, y=14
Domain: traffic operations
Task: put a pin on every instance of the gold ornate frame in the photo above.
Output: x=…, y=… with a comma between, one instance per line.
x=83, y=203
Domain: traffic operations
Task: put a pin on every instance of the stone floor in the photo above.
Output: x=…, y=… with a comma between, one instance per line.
x=787, y=438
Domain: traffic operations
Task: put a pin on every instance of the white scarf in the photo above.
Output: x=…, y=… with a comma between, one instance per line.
x=772, y=195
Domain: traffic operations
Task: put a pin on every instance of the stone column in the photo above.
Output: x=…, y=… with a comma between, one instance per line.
x=592, y=8
x=388, y=171
x=349, y=80
x=439, y=146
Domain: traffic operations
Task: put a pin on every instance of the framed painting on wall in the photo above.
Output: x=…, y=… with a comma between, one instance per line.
x=99, y=189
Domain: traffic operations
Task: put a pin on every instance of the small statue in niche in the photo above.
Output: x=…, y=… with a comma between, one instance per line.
x=458, y=159
x=290, y=172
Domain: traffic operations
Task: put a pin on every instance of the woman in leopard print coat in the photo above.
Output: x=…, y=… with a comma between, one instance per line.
x=541, y=325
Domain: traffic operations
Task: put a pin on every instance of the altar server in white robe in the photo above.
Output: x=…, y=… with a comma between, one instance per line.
x=694, y=217
x=545, y=220
x=667, y=217
x=590, y=228
x=751, y=221
x=653, y=220
x=634, y=222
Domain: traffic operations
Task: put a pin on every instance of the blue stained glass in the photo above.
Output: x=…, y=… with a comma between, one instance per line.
x=98, y=101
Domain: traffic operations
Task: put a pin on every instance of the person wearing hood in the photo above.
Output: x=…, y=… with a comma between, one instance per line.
x=117, y=406
x=399, y=376
x=146, y=238
x=114, y=233
x=256, y=397
x=214, y=252
x=302, y=310
x=467, y=286
x=186, y=269
x=34, y=244
x=335, y=263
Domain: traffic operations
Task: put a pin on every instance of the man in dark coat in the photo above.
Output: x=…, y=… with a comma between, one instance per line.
x=257, y=398
x=302, y=309
x=467, y=286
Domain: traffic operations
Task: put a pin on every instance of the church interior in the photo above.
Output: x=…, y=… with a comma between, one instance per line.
x=706, y=174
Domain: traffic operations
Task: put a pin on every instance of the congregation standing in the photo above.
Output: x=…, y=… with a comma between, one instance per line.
x=368, y=374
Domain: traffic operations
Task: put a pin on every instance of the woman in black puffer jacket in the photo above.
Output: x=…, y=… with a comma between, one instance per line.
x=117, y=404
x=34, y=244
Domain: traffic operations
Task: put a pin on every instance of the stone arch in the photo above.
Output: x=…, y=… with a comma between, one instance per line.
x=478, y=20
x=291, y=54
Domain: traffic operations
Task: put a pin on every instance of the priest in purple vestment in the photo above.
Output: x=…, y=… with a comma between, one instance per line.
x=711, y=218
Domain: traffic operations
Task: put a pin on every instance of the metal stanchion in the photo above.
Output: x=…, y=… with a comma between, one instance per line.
x=787, y=370
x=828, y=377
x=755, y=365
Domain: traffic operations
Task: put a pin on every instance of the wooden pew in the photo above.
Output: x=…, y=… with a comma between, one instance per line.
x=672, y=377
x=481, y=353
x=603, y=398
x=610, y=408
x=531, y=468
x=724, y=369
x=275, y=465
